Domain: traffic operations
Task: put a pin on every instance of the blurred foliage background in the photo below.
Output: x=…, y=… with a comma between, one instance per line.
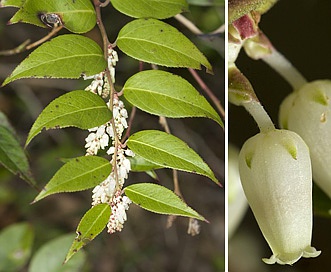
x=145, y=244
x=300, y=30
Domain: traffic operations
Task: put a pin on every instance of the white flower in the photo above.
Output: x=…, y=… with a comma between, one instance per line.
x=118, y=216
x=307, y=112
x=97, y=139
x=99, y=85
x=112, y=60
x=193, y=227
x=275, y=172
x=104, y=192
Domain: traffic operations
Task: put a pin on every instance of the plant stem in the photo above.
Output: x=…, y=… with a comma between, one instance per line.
x=192, y=27
x=203, y=85
x=260, y=116
x=282, y=65
x=16, y=50
x=48, y=36
x=163, y=122
x=106, y=45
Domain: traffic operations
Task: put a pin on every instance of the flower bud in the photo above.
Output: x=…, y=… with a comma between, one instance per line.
x=306, y=112
x=275, y=172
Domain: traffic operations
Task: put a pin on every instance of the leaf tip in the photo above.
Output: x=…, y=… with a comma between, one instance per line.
x=5, y=83
x=209, y=70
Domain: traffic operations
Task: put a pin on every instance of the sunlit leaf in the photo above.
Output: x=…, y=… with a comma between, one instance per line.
x=156, y=42
x=76, y=175
x=66, y=56
x=56, y=248
x=77, y=16
x=168, y=151
x=165, y=94
x=159, y=9
x=158, y=199
x=16, y=244
x=92, y=223
x=81, y=109
x=11, y=3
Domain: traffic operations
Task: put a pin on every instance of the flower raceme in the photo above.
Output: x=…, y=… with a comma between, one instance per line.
x=104, y=137
x=307, y=112
x=275, y=172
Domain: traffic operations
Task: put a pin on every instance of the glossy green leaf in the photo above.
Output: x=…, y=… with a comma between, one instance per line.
x=11, y=3
x=165, y=94
x=16, y=243
x=159, y=9
x=66, y=56
x=77, y=16
x=159, y=199
x=12, y=155
x=76, y=175
x=56, y=248
x=156, y=42
x=80, y=109
x=168, y=151
x=92, y=223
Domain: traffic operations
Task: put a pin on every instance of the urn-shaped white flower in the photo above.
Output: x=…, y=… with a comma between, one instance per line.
x=275, y=172
x=307, y=112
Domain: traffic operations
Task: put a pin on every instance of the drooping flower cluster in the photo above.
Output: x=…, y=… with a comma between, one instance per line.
x=118, y=207
x=105, y=191
x=112, y=60
x=104, y=137
x=99, y=85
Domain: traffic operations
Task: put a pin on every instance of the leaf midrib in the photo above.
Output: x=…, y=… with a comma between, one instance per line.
x=168, y=96
x=76, y=177
x=74, y=112
x=165, y=152
x=150, y=198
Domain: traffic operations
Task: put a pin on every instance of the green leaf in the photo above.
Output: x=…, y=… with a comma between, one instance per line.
x=158, y=199
x=5, y=123
x=77, y=16
x=56, y=249
x=11, y=3
x=168, y=151
x=92, y=223
x=12, y=155
x=16, y=243
x=156, y=42
x=159, y=9
x=66, y=56
x=165, y=94
x=212, y=3
x=80, y=109
x=76, y=175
